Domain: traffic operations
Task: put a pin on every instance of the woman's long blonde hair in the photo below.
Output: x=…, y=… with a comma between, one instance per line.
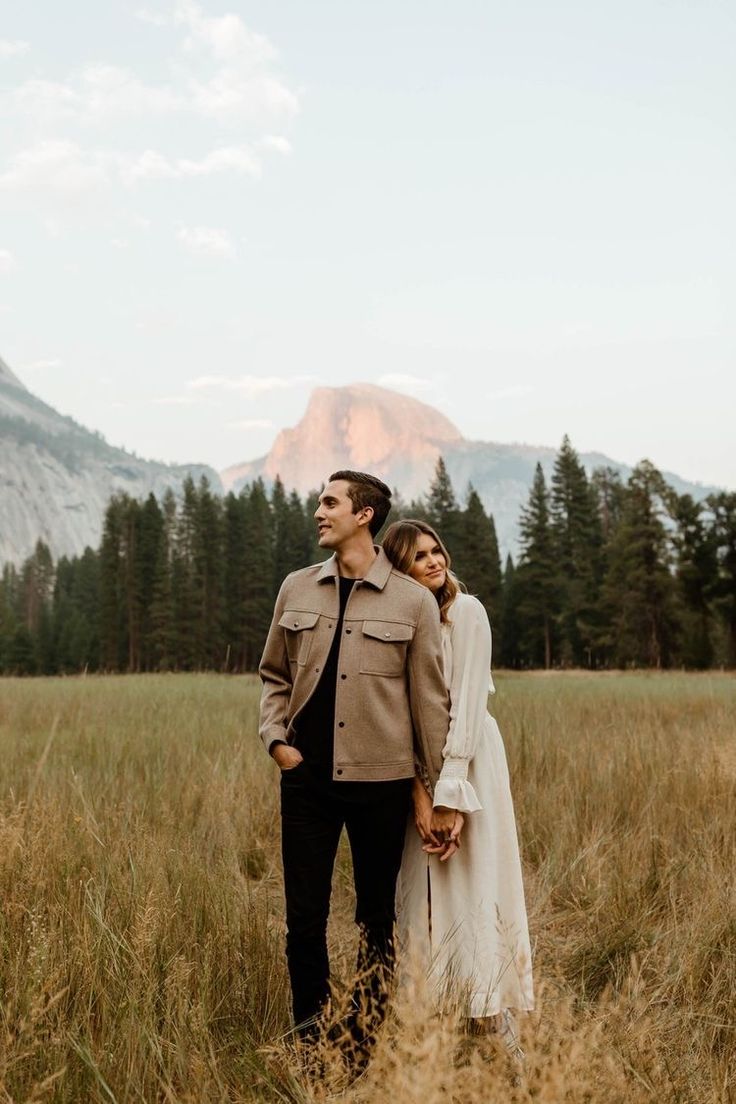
x=400, y=545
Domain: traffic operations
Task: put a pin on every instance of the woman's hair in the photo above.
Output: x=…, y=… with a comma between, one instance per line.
x=400, y=545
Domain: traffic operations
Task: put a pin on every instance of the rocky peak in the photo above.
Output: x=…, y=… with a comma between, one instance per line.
x=361, y=426
x=6, y=376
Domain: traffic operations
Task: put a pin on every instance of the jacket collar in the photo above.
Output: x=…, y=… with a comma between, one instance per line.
x=377, y=575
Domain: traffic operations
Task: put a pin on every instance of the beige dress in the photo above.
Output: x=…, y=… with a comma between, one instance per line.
x=465, y=919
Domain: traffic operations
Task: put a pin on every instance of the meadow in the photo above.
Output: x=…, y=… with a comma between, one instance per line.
x=141, y=931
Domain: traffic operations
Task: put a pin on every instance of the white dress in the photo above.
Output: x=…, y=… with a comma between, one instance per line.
x=465, y=919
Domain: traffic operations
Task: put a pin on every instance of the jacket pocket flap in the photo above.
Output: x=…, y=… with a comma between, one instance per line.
x=388, y=630
x=298, y=619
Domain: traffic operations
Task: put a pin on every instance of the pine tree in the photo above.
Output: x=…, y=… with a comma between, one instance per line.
x=509, y=654
x=639, y=590
x=442, y=509
x=537, y=576
x=476, y=559
x=695, y=572
x=723, y=530
x=258, y=574
x=113, y=639
x=577, y=540
x=209, y=570
x=161, y=621
x=236, y=566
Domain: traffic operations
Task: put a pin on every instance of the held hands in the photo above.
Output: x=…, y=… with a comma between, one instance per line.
x=439, y=828
x=286, y=756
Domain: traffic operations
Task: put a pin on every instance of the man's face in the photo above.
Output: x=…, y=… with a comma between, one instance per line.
x=336, y=522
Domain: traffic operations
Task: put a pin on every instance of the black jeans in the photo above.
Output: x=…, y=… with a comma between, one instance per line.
x=313, y=813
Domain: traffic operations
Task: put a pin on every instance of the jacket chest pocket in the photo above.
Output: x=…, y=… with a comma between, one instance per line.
x=299, y=629
x=383, y=648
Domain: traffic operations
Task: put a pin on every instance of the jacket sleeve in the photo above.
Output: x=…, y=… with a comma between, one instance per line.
x=471, y=665
x=428, y=698
x=275, y=673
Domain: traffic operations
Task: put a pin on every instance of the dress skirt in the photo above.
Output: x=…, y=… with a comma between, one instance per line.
x=465, y=919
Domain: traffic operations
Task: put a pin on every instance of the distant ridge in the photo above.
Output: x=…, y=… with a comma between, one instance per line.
x=56, y=477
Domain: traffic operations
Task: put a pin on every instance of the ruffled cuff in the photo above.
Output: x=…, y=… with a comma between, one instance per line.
x=453, y=789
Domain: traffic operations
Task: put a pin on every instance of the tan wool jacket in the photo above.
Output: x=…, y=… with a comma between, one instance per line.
x=390, y=699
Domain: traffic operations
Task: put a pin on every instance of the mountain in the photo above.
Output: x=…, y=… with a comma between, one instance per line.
x=399, y=438
x=56, y=477
x=363, y=427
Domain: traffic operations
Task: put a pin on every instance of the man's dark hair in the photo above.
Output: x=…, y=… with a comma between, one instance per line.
x=367, y=490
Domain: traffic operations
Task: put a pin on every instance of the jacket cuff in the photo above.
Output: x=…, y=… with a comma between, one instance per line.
x=272, y=735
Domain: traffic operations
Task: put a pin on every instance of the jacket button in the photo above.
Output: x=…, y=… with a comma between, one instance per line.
x=388, y=635
x=296, y=624
x=348, y=631
x=338, y=772
x=341, y=724
x=343, y=676
x=316, y=670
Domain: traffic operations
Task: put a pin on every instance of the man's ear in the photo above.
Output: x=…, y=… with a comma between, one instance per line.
x=365, y=516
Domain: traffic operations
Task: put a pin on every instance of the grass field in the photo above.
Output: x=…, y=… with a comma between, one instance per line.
x=141, y=934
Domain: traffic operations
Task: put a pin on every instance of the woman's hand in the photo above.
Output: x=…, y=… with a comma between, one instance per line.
x=446, y=826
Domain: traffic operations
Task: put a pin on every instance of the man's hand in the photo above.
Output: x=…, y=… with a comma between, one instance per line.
x=286, y=756
x=423, y=813
x=446, y=825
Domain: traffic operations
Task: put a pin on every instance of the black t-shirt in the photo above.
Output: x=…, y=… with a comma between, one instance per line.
x=315, y=728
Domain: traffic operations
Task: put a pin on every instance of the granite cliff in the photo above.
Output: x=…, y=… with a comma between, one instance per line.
x=56, y=477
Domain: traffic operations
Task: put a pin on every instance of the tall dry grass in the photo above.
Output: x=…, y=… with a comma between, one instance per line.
x=141, y=928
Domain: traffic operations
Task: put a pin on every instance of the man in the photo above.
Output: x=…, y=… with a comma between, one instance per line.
x=353, y=690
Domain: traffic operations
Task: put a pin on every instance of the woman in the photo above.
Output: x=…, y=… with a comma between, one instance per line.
x=465, y=918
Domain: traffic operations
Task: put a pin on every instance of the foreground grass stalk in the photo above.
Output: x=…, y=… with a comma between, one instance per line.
x=141, y=919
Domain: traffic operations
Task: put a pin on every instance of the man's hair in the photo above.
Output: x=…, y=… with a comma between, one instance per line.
x=367, y=490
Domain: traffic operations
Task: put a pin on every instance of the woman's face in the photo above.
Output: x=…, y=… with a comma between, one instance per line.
x=429, y=567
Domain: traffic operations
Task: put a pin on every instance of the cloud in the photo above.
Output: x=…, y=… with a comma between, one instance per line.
x=13, y=47
x=42, y=365
x=238, y=159
x=244, y=85
x=56, y=166
x=153, y=165
x=174, y=400
x=252, y=386
x=414, y=385
x=227, y=75
x=219, y=71
x=278, y=143
x=206, y=241
x=7, y=262
x=155, y=19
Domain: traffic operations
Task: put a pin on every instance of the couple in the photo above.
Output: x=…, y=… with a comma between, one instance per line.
x=375, y=681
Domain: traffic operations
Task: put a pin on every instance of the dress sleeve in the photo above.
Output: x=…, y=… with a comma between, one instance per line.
x=471, y=664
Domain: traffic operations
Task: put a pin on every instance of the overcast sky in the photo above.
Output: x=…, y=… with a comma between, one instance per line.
x=521, y=213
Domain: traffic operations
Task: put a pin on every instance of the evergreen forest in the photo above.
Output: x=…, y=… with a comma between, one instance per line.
x=609, y=574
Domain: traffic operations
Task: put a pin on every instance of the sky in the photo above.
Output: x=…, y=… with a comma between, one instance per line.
x=522, y=214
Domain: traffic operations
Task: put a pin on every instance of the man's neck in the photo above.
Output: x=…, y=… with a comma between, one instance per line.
x=354, y=562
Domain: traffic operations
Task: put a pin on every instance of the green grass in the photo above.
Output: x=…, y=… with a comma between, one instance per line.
x=141, y=927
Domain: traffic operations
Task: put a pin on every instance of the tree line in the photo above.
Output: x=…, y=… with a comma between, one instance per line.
x=608, y=574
